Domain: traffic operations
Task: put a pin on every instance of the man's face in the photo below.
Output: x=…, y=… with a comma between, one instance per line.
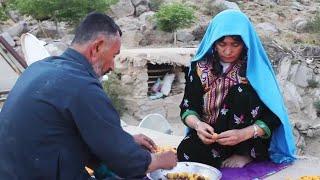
x=110, y=50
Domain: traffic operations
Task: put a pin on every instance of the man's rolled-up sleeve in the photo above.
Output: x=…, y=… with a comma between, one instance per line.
x=99, y=125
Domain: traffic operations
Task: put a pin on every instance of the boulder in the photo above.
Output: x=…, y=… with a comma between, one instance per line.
x=123, y=8
x=297, y=6
x=310, y=110
x=299, y=24
x=48, y=29
x=141, y=9
x=292, y=97
x=284, y=69
x=130, y=27
x=141, y=6
x=302, y=75
x=128, y=24
x=156, y=37
x=305, y=2
x=146, y=20
x=228, y=4
x=267, y=28
x=17, y=29
x=184, y=36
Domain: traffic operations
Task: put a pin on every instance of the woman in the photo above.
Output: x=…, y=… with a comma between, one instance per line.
x=231, y=90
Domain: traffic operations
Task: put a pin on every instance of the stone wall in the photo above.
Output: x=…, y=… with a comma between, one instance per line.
x=132, y=65
x=299, y=79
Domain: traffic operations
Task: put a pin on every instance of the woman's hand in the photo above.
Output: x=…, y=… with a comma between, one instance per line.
x=205, y=132
x=235, y=136
x=145, y=141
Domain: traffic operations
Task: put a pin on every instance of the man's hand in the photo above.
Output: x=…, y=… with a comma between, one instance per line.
x=205, y=132
x=145, y=141
x=165, y=160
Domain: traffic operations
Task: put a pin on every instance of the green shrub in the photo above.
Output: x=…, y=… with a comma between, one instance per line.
x=211, y=8
x=313, y=83
x=61, y=10
x=313, y=25
x=155, y=4
x=317, y=106
x=3, y=15
x=115, y=91
x=172, y=17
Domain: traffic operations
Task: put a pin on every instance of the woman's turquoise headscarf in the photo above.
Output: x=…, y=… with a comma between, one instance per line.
x=259, y=73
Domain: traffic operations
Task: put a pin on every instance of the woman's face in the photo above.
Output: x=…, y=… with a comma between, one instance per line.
x=229, y=50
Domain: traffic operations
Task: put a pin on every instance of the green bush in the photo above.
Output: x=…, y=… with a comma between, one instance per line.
x=3, y=15
x=313, y=25
x=211, y=8
x=61, y=10
x=115, y=91
x=313, y=83
x=172, y=17
x=317, y=106
x=155, y=4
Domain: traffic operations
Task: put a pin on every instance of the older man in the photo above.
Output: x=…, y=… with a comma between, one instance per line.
x=57, y=118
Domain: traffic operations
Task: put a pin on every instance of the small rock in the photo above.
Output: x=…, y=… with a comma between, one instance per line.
x=297, y=6
x=302, y=126
x=268, y=27
x=309, y=60
x=310, y=133
x=18, y=29
x=301, y=26
x=184, y=36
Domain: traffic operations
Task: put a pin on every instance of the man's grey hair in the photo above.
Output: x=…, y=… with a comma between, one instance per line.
x=93, y=25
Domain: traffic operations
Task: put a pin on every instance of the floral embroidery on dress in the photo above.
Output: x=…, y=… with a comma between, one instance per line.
x=253, y=153
x=237, y=119
x=187, y=137
x=185, y=103
x=254, y=112
x=224, y=110
x=215, y=153
x=239, y=89
x=185, y=156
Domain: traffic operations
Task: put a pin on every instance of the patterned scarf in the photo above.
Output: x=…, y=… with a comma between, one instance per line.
x=216, y=87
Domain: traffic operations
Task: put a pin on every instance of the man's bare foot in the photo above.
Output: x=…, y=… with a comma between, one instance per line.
x=236, y=161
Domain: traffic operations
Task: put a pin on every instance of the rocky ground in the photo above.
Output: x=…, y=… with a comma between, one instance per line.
x=281, y=24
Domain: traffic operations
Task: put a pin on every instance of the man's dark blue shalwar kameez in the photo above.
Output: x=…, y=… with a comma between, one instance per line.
x=57, y=119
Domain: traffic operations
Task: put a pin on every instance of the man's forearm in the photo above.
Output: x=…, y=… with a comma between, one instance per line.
x=154, y=164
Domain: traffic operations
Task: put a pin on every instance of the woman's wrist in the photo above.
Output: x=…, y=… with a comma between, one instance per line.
x=197, y=125
x=192, y=121
x=253, y=131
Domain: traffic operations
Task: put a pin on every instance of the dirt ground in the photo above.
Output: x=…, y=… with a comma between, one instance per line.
x=313, y=147
x=303, y=166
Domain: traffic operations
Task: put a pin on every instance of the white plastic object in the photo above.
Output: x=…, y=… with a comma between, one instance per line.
x=156, y=122
x=33, y=49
